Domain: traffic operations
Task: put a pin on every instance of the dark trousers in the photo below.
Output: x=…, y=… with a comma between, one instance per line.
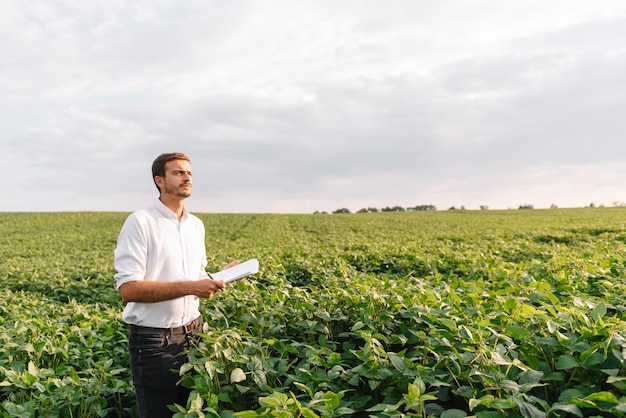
x=155, y=359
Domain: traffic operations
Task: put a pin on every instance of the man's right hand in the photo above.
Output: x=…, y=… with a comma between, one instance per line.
x=206, y=288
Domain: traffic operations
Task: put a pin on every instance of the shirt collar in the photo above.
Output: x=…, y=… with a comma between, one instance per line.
x=167, y=212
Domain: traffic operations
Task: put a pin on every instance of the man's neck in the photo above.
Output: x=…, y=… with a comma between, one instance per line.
x=176, y=205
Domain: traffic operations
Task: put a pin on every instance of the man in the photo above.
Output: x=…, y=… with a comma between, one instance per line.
x=160, y=261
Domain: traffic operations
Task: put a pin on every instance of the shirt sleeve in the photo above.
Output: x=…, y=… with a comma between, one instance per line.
x=131, y=253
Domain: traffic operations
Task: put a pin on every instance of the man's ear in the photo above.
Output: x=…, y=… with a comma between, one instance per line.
x=158, y=180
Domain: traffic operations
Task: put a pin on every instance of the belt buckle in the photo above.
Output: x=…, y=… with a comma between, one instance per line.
x=190, y=327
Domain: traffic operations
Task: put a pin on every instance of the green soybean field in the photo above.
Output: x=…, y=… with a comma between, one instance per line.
x=517, y=313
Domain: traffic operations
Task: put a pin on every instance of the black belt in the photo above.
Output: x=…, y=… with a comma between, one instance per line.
x=189, y=328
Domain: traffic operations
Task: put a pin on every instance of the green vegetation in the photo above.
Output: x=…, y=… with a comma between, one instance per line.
x=396, y=208
x=397, y=314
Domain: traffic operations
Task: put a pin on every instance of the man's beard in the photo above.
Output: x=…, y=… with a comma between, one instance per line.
x=179, y=191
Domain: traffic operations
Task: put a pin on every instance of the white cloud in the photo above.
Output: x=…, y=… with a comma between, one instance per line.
x=298, y=107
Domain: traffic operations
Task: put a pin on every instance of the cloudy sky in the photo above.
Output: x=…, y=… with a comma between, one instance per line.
x=296, y=106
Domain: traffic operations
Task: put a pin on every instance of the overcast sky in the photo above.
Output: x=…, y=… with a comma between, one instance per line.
x=297, y=106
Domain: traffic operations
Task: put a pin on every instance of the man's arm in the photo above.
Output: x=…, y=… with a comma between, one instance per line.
x=149, y=291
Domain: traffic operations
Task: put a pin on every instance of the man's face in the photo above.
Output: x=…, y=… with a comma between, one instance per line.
x=177, y=180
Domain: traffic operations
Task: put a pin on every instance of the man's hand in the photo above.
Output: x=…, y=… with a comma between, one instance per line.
x=207, y=288
x=231, y=264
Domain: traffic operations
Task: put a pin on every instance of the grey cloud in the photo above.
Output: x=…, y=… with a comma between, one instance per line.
x=314, y=106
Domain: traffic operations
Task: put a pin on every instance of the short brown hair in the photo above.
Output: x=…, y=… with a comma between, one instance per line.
x=158, y=165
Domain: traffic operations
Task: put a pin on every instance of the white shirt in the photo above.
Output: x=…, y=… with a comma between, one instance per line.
x=154, y=245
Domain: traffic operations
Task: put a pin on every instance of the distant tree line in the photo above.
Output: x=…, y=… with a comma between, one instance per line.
x=387, y=209
x=432, y=207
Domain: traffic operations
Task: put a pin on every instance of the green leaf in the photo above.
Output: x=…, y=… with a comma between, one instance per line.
x=618, y=382
x=510, y=306
x=246, y=414
x=602, y=396
x=464, y=392
x=308, y=413
x=488, y=414
x=237, y=375
x=599, y=311
x=570, y=409
x=344, y=411
x=448, y=323
x=305, y=388
x=473, y=403
x=32, y=369
x=382, y=407
x=276, y=399
x=569, y=394
x=530, y=376
x=331, y=400
x=260, y=378
x=357, y=326
x=530, y=411
x=185, y=368
x=196, y=402
x=419, y=384
x=527, y=309
x=503, y=403
x=397, y=362
x=517, y=332
x=566, y=362
x=453, y=413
